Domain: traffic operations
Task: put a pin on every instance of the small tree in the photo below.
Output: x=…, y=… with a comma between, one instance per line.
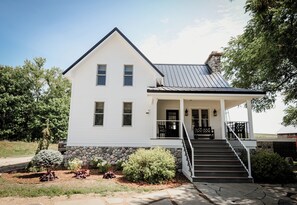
x=48, y=159
x=45, y=140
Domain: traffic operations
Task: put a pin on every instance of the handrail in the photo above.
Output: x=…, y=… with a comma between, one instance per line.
x=192, y=150
x=247, y=150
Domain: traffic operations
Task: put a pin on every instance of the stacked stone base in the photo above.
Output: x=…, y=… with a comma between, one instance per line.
x=111, y=154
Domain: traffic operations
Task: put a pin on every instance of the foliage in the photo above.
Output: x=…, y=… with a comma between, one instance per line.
x=103, y=166
x=153, y=166
x=75, y=164
x=270, y=167
x=82, y=174
x=45, y=140
x=95, y=161
x=29, y=95
x=119, y=165
x=264, y=56
x=109, y=175
x=48, y=159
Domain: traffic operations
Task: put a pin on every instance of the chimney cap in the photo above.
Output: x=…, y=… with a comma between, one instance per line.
x=213, y=53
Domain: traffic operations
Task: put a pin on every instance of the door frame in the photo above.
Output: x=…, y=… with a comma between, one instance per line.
x=172, y=132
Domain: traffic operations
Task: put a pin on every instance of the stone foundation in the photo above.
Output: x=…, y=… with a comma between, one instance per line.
x=111, y=154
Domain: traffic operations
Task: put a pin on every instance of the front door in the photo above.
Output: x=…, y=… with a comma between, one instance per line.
x=172, y=123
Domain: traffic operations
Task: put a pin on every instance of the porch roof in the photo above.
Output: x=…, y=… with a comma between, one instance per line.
x=226, y=90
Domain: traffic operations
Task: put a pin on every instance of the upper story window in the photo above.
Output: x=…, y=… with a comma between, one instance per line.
x=99, y=113
x=128, y=75
x=127, y=114
x=101, y=75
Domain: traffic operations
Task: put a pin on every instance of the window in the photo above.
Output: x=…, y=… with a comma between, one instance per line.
x=197, y=121
x=101, y=75
x=99, y=113
x=128, y=75
x=127, y=114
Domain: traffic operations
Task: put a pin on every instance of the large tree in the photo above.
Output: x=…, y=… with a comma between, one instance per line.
x=31, y=96
x=265, y=55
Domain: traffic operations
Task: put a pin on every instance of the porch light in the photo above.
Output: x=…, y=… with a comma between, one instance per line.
x=215, y=113
x=186, y=112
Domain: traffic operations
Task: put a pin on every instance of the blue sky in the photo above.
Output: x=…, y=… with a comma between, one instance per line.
x=166, y=31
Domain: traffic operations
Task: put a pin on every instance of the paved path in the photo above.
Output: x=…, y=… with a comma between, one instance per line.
x=183, y=195
x=231, y=193
x=10, y=164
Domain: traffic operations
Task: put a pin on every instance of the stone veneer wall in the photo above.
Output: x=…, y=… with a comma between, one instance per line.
x=111, y=154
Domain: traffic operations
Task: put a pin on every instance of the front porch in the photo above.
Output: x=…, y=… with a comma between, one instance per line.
x=202, y=119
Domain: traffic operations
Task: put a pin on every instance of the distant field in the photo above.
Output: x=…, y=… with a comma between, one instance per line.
x=20, y=149
x=265, y=136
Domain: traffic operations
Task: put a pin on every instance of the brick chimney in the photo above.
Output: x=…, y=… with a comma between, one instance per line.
x=214, y=61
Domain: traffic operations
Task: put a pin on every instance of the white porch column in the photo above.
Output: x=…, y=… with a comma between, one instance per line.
x=155, y=116
x=181, y=117
x=222, y=103
x=250, y=118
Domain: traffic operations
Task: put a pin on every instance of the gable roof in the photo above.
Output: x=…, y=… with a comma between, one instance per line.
x=102, y=40
x=195, y=78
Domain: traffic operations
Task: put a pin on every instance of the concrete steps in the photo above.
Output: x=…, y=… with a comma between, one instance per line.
x=216, y=162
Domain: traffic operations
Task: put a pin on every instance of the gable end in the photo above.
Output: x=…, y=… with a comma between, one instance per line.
x=103, y=39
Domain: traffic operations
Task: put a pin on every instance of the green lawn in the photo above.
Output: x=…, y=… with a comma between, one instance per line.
x=265, y=136
x=20, y=149
x=102, y=187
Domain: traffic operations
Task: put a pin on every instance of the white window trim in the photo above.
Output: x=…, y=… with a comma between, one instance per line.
x=94, y=115
x=128, y=76
x=129, y=113
x=101, y=74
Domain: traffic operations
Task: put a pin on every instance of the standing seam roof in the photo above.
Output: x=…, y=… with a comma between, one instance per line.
x=191, y=76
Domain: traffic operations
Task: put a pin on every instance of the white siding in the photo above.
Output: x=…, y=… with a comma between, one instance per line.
x=115, y=52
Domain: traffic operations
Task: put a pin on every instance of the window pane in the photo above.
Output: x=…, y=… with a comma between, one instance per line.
x=101, y=80
x=127, y=119
x=102, y=69
x=128, y=70
x=204, y=116
x=195, y=118
x=99, y=107
x=98, y=119
x=128, y=80
x=127, y=107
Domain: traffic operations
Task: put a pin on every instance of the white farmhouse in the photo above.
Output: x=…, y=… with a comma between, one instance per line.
x=121, y=101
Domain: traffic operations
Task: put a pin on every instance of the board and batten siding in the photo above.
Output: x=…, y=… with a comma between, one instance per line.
x=114, y=52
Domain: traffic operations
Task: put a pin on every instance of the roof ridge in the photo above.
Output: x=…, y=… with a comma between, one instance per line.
x=179, y=64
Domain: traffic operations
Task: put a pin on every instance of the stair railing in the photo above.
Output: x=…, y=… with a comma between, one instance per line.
x=240, y=150
x=188, y=149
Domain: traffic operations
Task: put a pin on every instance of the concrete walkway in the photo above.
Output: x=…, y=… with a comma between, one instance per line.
x=231, y=193
x=183, y=195
x=10, y=164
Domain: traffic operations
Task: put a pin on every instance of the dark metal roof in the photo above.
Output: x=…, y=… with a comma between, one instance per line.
x=191, y=76
x=103, y=39
x=228, y=90
x=195, y=78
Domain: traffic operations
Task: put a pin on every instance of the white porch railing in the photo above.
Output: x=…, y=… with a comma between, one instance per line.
x=168, y=129
x=240, y=128
x=240, y=150
x=188, y=149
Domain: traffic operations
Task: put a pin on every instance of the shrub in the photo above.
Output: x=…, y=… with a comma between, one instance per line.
x=95, y=161
x=153, y=166
x=103, y=166
x=47, y=159
x=270, y=167
x=75, y=164
x=119, y=165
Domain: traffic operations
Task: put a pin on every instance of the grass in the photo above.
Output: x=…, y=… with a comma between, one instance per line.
x=265, y=136
x=19, y=148
x=103, y=187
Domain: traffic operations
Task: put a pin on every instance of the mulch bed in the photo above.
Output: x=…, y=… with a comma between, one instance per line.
x=65, y=177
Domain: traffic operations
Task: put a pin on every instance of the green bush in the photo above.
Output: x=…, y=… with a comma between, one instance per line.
x=103, y=166
x=269, y=167
x=153, y=166
x=47, y=159
x=95, y=161
x=119, y=165
x=75, y=164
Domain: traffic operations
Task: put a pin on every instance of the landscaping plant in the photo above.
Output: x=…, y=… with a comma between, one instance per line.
x=270, y=167
x=75, y=164
x=109, y=175
x=48, y=159
x=82, y=174
x=152, y=165
x=103, y=166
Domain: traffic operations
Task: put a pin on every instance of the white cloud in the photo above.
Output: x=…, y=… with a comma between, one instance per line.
x=193, y=43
